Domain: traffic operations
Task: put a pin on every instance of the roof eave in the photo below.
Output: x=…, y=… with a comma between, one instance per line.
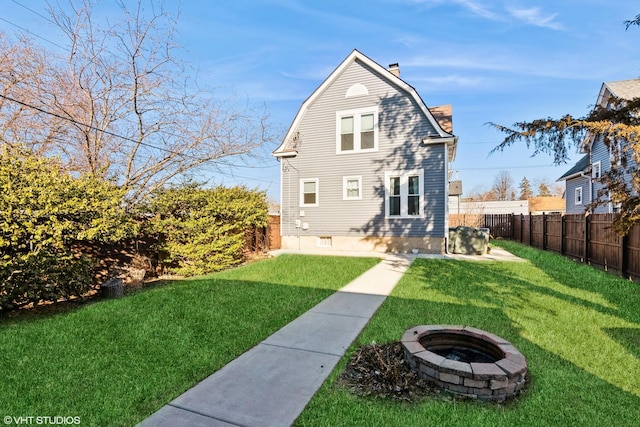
x=291, y=153
x=450, y=140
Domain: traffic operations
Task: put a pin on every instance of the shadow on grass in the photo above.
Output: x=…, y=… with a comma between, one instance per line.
x=558, y=393
x=628, y=338
x=614, y=293
x=581, y=348
x=114, y=362
x=569, y=322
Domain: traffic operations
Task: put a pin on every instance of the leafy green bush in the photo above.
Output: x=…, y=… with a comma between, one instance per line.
x=42, y=210
x=202, y=230
x=43, y=276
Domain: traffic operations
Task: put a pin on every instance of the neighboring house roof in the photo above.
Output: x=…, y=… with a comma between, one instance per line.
x=546, y=204
x=621, y=89
x=577, y=170
x=288, y=147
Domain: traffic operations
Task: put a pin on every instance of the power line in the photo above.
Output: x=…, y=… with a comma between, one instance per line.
x=46, y=18
x=34, y=34
x=75, y=122
x=126, y=138
x=504, y=167
x=216, y=161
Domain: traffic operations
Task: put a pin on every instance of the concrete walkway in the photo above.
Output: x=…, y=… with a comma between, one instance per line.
x=272, y=383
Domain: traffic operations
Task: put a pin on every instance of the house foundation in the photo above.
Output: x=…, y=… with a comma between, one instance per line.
x=382, y=244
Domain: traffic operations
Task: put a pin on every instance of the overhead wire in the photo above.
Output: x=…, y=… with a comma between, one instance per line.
x=142, y=143
x=184, y=154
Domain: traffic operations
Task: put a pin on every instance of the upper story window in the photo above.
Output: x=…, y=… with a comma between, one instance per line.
x=357, y=130
x=596, y=172
x=578, y=196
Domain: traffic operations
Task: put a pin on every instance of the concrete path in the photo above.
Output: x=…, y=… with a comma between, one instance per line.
x=272, y=383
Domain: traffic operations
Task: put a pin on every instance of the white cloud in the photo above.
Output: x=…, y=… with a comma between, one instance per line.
x=464, y=60
x=531, y=16
x=534, y=16
x=476, y=7
x=450, y=81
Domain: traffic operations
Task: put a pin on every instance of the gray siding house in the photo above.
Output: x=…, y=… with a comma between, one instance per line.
x=583, y=183
x=365, y=165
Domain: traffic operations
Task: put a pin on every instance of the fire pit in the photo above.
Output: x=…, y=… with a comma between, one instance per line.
x=465, y=361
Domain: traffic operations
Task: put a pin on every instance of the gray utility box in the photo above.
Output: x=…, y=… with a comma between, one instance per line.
x=468, y=240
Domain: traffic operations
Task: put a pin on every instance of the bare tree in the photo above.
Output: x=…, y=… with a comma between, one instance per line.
x=503, y=186
x=23, y=72
x=131, y=111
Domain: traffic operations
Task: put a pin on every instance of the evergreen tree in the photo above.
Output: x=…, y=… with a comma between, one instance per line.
x=543, y=190
x=617, y=121
x=525, y=189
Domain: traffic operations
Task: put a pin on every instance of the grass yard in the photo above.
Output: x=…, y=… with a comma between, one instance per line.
x=114, y=362
x=578, y=327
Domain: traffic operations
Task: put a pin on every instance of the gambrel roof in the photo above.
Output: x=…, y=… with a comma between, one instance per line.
x=439, y=117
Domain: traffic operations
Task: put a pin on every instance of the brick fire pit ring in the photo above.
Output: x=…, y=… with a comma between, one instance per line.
x=465, y=361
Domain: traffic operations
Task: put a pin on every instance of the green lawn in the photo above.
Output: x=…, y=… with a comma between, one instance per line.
x=578, y=327
x=114, y=362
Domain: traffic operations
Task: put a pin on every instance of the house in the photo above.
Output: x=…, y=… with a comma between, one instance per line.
x=365, y=165
x=546, y=205
x=583, y=182
x=488, y=207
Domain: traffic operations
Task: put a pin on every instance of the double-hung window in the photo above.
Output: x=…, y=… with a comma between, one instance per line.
x=357, y=130
x=352, y=188
x=596, y=173
x=404, y=194
x=309, y=192
x=578, y=196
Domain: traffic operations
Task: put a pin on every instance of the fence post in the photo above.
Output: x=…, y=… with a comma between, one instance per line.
x=512, y=222
x=624, y=256
x=530, y=230
x=586, y=239
x=544, y=231
x=563, y=234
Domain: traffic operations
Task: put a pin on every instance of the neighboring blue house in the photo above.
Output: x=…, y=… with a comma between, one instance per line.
x=583, y=180
x=365, y=165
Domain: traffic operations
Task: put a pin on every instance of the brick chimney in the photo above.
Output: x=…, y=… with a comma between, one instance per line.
x=395, y=69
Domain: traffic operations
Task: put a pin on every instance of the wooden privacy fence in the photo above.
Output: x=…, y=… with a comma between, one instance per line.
x=263, y=239
x=588, y=238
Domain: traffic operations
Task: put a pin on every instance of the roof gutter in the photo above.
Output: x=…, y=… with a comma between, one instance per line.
x=451, y=141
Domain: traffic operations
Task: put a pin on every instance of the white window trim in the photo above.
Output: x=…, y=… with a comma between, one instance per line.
x=357, y=113
x=596, y=166
x=345, y=179
x=324, y=242
x=404, y=193
x=310, y=205
x=578, y=196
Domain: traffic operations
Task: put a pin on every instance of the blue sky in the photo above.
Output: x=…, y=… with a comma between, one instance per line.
x=494, y=60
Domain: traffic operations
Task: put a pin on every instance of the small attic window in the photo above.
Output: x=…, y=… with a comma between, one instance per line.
x=357, y=89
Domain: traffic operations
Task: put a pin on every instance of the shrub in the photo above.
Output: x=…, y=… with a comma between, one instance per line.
x=202, y=230
x=43, y=276
x=42, y=210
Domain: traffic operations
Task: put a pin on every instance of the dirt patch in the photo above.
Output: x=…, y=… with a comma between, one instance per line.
x=379, y=370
